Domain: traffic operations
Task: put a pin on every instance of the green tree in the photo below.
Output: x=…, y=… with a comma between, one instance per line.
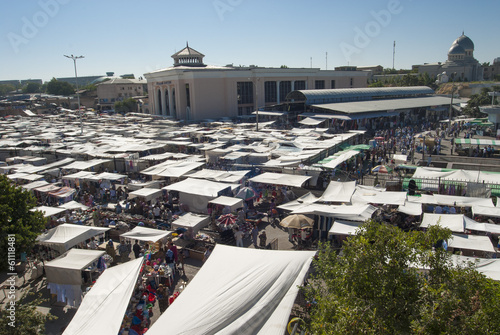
x=32, y=88
x=60, y=87
x=6, y=88
x=27, y=319
x=374, y=287
x=16, y=218
x=476, y=100
x=126, y=106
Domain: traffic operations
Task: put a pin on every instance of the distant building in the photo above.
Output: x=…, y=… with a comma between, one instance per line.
x=375, y=69
x=17, y=83
x=191, y=90
x=461, y=64
x=492, y=72
x=117, y=89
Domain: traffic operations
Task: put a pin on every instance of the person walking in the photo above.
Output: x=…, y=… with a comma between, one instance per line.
x=238, y=235
x=136, y=249
x=255, y=235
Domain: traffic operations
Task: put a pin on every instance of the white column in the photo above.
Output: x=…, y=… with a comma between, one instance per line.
x=163, y=102
x=170, y=107
x=278, y=92
x=156, y=104
x=293, y=85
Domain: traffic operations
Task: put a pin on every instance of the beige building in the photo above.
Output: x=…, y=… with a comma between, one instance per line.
x=118, y=89
x=191, y=90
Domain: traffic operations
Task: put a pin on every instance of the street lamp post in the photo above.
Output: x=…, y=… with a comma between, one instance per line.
x=451, y=103
x=74, y=58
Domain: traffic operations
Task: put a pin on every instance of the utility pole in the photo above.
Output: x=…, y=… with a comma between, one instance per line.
x=393, y=53
x=74, y=58
x=326, y=61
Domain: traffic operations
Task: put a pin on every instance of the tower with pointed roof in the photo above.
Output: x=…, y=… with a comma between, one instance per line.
x=188, y=57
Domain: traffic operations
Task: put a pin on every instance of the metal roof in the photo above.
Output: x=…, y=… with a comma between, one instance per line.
x=386, y=105
x=356, y=94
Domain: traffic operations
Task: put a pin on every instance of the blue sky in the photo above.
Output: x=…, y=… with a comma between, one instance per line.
x=140, y=36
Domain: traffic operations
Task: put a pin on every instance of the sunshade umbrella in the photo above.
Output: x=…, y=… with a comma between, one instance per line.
x=382, y=169
x=297, y=221
x=246, y=193
x=227, y=219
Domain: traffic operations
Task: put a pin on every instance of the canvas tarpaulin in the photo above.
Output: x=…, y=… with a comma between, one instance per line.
x=48, y=211
x=233, y=203
x=364, y=196
x=146, y=193
x=280, y=179
x=471, y=242
x=254, y=296
x=67, y=235
x=340, y=227
x=146, y=234
x=103, y=307
x=353, y=213
x=66, y=269
x=191, y=220
x=339, y=191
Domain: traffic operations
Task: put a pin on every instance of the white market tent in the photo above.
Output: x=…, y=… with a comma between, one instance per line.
x=79, y=175
x=65, y=236
x=146, y=193
x=74, y=205
x=458, y=223
x=338, y=191
x=222, y=176
x=486, y=210
x=146, y=234
x=339, y=159
x=48, y=211
x=489, y=267
x=174, y=170
x=233, y=203
x=308, y=121
x=411, y=208
x=253, y=297
x=66, y=269
x=83, y=165
x=35, y=184
x=451, y=200
x=459, y=175
x=340, y=227
x=471, y=242
x=196, y=193
x=107, y=176
x=280, y=179
x=365, y=196
x=103, y=307
x=24, y=176
x=352, y=213
x=191, y=220
x=300, y=202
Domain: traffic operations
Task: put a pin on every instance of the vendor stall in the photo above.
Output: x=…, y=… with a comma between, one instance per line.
x=148, y=194
x=65, y=273
x=232, y=203
x=65, y=236
x=191, y=220
x=147, y=234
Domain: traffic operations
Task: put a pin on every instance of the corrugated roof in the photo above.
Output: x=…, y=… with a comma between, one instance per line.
x=351, y=94
x=386, y=105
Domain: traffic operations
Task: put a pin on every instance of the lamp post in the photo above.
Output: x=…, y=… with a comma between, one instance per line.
x=451, y=103
x=74, y=58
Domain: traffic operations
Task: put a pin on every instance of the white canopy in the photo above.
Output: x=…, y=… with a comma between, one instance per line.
x=471, y=242
x=339, y=191
x=83, y=165
x=300, y=202
x=35, y=184
x=107, y=176
x=231, y=202
x=79, y=175
x=48, y=211
x=66, y=269
x=67, y=235
x=451, y=200
x=344, y=227
x=365, y=196
x=280, y=179
x=489, y=267
x=216, y=175
x=339, y=159
x=169, y=169
x=252, y=297
x=199, y=187
x=146, y=234
x=146, y=193
x=24, y=176
x=459, y=175
x=103, y=307
x=191, y=220
x=308, y=121
x=454, y=222
x=486, y=211
x=353, y=213
x=74, y=205
x=411, y=208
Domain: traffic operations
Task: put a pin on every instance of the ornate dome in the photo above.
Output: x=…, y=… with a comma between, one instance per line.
x=456, y=49
x=464, y=42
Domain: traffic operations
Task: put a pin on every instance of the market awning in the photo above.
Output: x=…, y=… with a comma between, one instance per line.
x=339, y=191
x=103, y=307
x=254, y=296
x=146, y=234
x=146, y=193
x=280, y=179
x=471, y=242
x=66, y=269
x=476, y=141
x=308, y=121
x=63, y=192
x=191, y=220
x=48, y=211
x=269, y=113
x=227, y=201
x=340, y=227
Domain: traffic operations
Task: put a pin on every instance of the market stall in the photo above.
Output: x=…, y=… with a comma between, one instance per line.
x=103, y=307
x=146, y=234
x=147, y=194
x=191, y=220
x=65, y=273
x=66, y=236
x=232, y=203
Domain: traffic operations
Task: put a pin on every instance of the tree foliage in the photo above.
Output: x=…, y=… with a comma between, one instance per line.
x=16, y=218
x=6, y=88
x=57, y=87
x=125, y=106
x=375, y=287
x=27, y=319
x=32, y=88
x=476, y=100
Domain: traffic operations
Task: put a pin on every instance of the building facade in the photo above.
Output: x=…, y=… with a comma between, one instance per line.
x=191, y=90
x=460, y=65
x=117, y=89
x=492, y=72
